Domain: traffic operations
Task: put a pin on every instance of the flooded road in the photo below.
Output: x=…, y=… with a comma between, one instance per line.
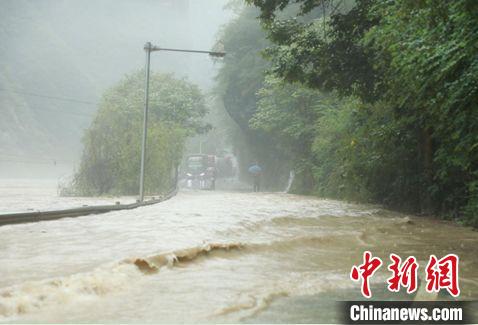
x=212, y=257
x=26, y=195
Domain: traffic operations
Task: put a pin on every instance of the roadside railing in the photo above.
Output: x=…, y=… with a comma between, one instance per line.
x=24, y=217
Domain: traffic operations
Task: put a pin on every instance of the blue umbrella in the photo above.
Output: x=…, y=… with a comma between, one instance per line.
x=255, y=169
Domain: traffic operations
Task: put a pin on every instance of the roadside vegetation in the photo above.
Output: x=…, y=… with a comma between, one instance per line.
x=112, y=144
x=367, y=100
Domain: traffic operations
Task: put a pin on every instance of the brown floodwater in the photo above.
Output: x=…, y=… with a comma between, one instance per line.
x=214, y=257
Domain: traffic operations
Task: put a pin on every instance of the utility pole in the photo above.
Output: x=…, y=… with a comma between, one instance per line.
x=148, y=47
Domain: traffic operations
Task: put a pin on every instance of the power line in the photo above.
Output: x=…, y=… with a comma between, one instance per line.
x=38, y=162
x=65, y=112
x=29, y=156
x=33, y=159
x=80, y=101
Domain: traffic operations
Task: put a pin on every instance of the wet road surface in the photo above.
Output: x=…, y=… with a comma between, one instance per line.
x=213, y=257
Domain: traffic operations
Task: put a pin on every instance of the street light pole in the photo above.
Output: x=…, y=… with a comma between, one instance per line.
x=148, y=47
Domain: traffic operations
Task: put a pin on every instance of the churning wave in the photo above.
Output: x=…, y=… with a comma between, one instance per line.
x=152, y=264
x=34, y=296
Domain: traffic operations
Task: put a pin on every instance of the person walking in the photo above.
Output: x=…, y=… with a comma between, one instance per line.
x=255, y=170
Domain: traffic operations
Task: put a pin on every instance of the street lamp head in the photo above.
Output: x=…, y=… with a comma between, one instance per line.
x=147, y=46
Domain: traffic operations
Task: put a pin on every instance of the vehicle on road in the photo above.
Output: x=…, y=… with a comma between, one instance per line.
x=201, y=171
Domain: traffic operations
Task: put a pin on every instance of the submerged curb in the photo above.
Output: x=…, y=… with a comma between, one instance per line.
x=25, y=217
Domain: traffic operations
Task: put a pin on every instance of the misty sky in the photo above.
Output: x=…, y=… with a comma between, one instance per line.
x=76, y=49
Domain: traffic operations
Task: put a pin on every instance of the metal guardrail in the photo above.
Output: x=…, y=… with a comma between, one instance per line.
x=24, y=217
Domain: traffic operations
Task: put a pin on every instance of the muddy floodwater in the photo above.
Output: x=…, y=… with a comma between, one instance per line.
x=208, y=256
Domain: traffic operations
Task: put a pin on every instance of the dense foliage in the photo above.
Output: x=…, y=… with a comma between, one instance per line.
x=112, y=144
x=240, y=78
x=370, y=100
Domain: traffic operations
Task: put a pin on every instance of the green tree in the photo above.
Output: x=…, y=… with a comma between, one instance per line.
x=238, y=81
x=413, y=65
x=290, y=113
x=112, y=144
x=432, y=78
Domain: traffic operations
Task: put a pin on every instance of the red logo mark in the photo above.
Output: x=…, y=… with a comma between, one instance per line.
x=443, y=274
x=364, y=271
x=403, y=274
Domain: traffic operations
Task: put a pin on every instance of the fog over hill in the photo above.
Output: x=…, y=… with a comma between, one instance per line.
x=58, y=56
